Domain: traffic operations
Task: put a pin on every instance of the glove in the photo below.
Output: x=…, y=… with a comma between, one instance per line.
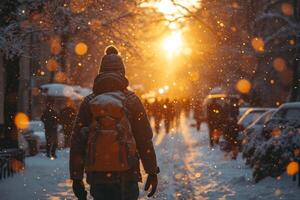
x=79, y=189
x=151, y=181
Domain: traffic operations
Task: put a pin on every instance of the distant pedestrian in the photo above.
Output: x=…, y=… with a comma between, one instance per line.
x=50, y=120
x=214, y=120
x=230, y=126
x=157, y=110
x=66, y=118
x=168, y=114
x=111, y=135
x=198, y=113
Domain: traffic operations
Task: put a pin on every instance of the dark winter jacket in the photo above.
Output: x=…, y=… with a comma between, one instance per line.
x=107, y=82
x=67, y=116
x=50, y=119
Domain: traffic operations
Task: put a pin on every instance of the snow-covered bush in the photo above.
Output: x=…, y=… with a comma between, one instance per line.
x=250, y=143
x=270, y=151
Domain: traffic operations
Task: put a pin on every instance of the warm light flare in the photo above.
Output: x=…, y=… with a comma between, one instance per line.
x=81, y=48
x=176, y=9
x=243, y=86
x=292, y=168
x=21, y=120
x=173, y=44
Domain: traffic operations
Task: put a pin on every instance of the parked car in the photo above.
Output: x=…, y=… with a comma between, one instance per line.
x=288, y=111
x=251, y=115
x=258, y=124
x=255, y=128
x=242, y=111
x=275, y=144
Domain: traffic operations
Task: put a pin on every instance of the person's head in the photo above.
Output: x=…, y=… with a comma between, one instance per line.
x=112, y=61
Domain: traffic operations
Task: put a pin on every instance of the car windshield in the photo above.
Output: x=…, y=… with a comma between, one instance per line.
x=264, y=118
x=36, y=126
x=251, y=117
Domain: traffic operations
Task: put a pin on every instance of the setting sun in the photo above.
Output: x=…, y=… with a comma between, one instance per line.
x=173, y=44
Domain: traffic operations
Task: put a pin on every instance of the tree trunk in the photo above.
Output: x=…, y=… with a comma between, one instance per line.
x=1, y=98
x=12, y=74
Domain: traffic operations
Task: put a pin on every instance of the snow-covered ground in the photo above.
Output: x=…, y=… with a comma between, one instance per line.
x=189, y=170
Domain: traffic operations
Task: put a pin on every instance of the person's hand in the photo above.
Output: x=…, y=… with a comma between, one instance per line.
x=151, y=181
x=79, y=189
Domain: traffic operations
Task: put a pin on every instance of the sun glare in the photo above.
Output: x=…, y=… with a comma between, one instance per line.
x=171, y=10
x=173, y=44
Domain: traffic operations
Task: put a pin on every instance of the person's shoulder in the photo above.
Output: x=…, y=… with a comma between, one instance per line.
x=88, y=98
x=131, y=96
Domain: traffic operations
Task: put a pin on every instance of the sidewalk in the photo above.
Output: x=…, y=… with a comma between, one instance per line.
x=189, y=170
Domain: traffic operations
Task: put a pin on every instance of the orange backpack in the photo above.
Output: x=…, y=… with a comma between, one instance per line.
x=111, y=146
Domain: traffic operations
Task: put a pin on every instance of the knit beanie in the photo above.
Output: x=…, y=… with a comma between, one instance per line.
x=112, y=61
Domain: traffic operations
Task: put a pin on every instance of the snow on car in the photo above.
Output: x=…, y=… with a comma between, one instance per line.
x=251, y=115
x=270, y=151
x=253, y=132
x=258, y=124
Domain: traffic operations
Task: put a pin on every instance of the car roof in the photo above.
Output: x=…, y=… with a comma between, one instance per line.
x=290, y=105
x=250, y=110
x=272, y=111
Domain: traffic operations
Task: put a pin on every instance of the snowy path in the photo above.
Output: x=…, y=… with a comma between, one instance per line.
x=189, y=170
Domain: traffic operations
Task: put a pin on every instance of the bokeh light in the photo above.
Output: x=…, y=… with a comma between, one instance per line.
x=60, y=77
x=276, y=132
x=78, y=6
x=55, y=45
x=81, y=49
x=21, y=120
x=243, y=86
x=35, y=91
x=258, y=44
x=161, y=91
x=95, y=24
x=287, y=9
x=279, y=64
x=292, y=168
x=52, y=65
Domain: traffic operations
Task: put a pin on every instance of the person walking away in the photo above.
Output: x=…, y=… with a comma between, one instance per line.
x=198, y=113
x=50, y=120
x=67, y=117
x=111, y=135
x=168, y=114
x=231, y=127
x=157, y=114
x=214, y=119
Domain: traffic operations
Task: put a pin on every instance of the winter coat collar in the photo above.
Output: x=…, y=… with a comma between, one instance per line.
x=108, y=82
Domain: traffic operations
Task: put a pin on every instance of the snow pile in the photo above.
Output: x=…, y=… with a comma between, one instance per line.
x=270, y=151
